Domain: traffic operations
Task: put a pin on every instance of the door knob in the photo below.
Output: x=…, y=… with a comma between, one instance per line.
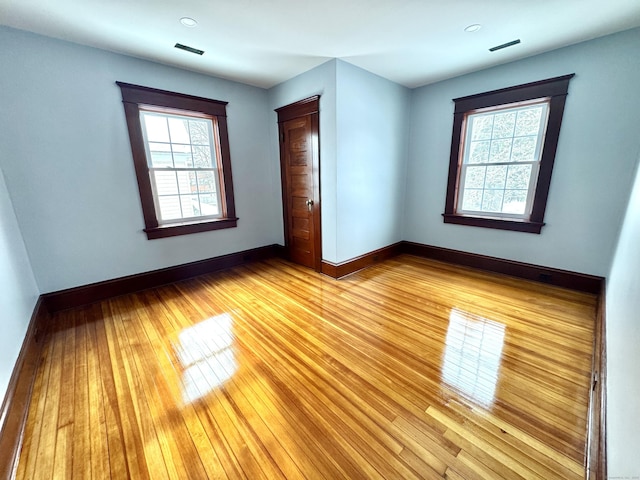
x=309, y=204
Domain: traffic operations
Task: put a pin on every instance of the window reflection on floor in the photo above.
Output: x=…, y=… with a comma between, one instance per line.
x=206, y=352
x=473, y=349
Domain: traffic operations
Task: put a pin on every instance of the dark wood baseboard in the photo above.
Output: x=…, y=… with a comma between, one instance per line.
x=329, y=268
x=597, y=437
x=15, y=406
x=560, y=278
x=74, y=297
x=339, y=270
x=553, y=276
x=94, y=292
x=280, y=251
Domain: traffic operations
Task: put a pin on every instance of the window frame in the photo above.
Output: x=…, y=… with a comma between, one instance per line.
x=556, y=90
x=136, y=98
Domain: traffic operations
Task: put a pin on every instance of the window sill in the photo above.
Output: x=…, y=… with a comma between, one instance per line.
x=185, y=228
x=498, y=223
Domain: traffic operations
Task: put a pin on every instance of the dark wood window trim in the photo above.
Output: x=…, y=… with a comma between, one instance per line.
x=556, y=90
x=135, y=97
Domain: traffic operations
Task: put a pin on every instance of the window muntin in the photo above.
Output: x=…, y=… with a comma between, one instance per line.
x=183, y=169
x=501, y=150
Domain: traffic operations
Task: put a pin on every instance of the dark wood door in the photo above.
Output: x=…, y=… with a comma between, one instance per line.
x=300, y=168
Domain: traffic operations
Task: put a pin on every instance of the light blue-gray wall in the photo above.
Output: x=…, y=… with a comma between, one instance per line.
x=623, y=345
x=18, y=287
x=363, y=149
x=68, y=167
x=593, y=168
x=372, y=140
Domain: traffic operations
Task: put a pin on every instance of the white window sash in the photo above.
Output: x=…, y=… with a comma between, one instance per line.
x=213, y=142
x=535, y=165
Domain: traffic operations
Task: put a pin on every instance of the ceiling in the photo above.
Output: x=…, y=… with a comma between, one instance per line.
x=264, y=42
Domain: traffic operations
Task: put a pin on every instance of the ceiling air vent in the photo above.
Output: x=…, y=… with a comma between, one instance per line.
x=189, y=49
x=504, y=45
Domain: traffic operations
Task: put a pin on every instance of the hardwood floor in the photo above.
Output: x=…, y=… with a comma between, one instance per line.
x=409, y=369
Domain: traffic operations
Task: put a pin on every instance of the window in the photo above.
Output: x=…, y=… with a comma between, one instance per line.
x=181, y=155
x=502, y=153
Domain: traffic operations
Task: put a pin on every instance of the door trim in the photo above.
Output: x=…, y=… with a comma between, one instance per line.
x=307, y=107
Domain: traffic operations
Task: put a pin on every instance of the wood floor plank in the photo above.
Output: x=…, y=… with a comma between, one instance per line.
x=126, y=396
x=244, y=429
x=176, y=440
x=351, y=434
x=99, y=447
x=63, y=461
x=127, y=342
x=271, y=414
x=518, y=450
x=252, y=458
x=45, y=455
x=409, y=369
x=27, y=463
x=81, y=438
x=118, y=464
x=396, y=376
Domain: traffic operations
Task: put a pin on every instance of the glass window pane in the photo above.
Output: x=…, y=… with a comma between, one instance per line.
x=179, y=130
x=190, y=206
x=156, y=128
x=503, y=125
x=479, y=152
x=166, y=183
x=515, y=201
x=528, y=122
x=206, y=182
x=524, y=149
x=199, y=130
x=182, y=156
x=202, y=156
x=492, y=201
x=481, y=126
x=500, y=150
x=472, y=199
x=209, y=204
x=518, y=177
x=170, y=207
x=160, y=155
x=187, y=182
x=496, y=177
x=474, y=177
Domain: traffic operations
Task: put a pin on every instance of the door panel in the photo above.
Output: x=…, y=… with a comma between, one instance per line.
x=299, y=158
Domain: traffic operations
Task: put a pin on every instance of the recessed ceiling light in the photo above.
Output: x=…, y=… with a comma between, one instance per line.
x=473, y=28
x=188, y=22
